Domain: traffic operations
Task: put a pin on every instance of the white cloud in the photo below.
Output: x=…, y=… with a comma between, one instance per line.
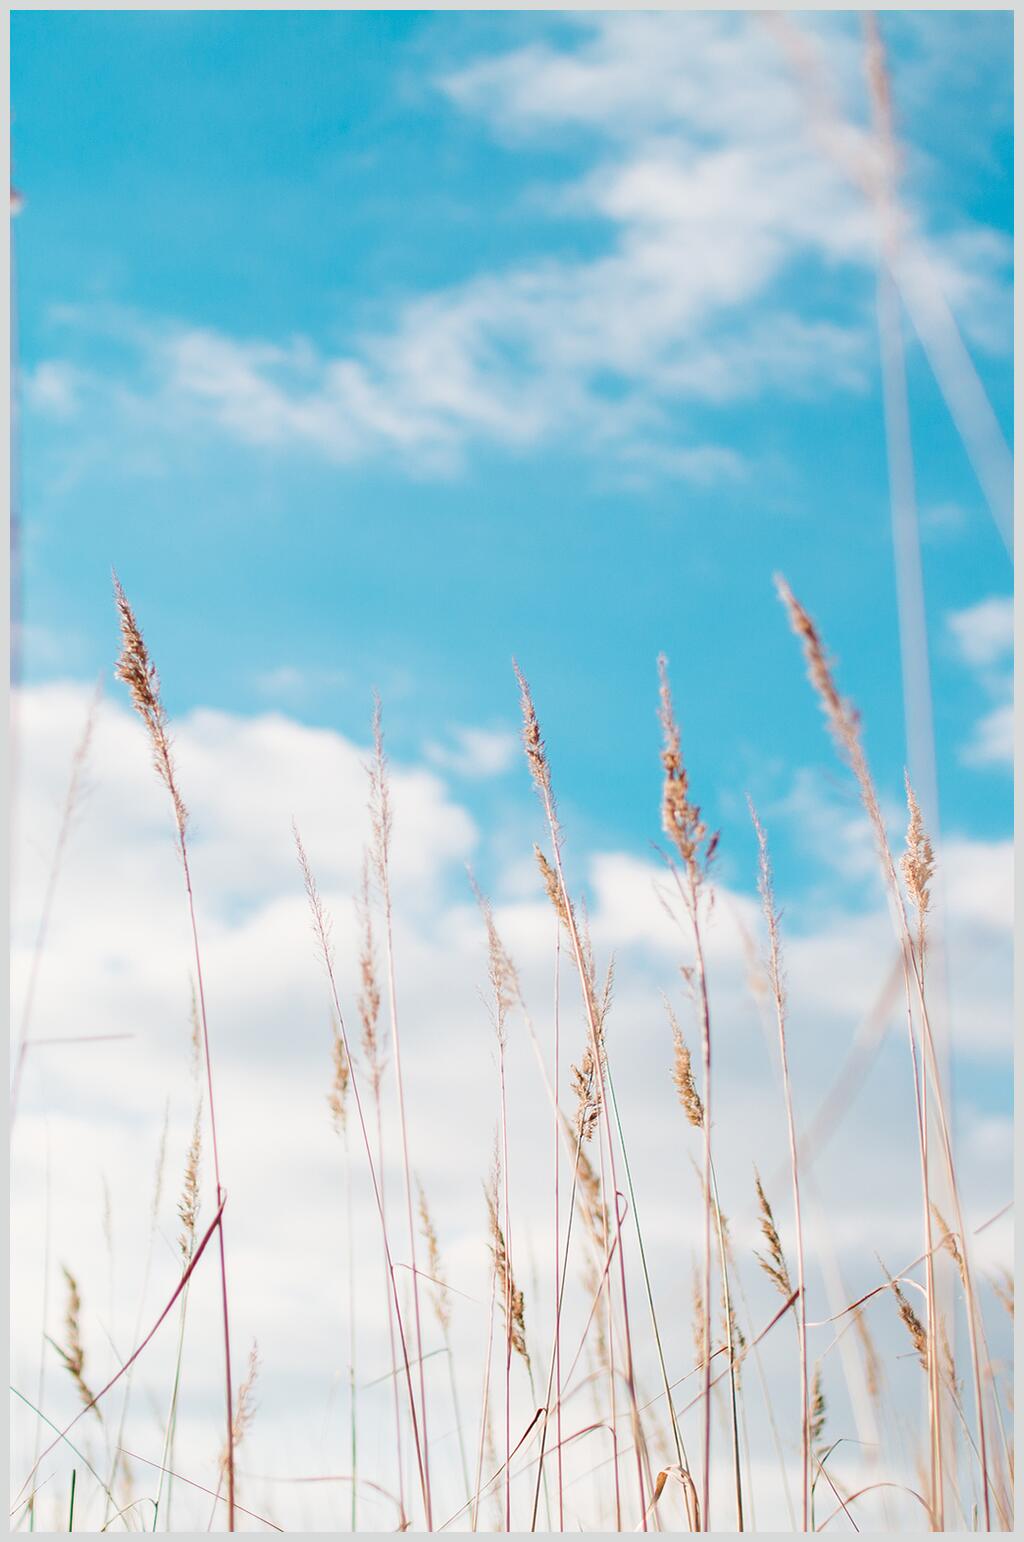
x=476, y=752
x=290, y=683
x=983, y=637
x=983, y=633
x=711, y=192
x=991, y=743
x=53, y=388
x=118, y=959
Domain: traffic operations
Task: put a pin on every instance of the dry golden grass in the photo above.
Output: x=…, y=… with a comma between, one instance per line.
x=588, y=1141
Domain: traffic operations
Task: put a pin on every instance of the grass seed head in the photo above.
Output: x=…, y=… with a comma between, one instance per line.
x=816, y=1428
x=435, y=1267
x=918, y=860
x=913, y=1325
x=533, y=743
x=680, y=816
x=188, y=1204
x=73, y=1354
x=512, y=1299
x=682, y=1075
x=774, y=1265
x=369, y=990
x=138, y=672
x=337, y=1098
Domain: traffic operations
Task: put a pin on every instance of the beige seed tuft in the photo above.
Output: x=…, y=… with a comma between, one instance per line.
x=682, y=1074
x=74, y=1354
x=337, y=1098
x=435, y=1267
x=912, y=1323
x=512, y=1300
x=680, y=816
x=774, y=1265
x=188, y=1204
x=138, y=672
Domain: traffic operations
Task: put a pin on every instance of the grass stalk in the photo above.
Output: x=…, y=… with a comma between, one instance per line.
x=381, y=809
x=138, y=672
x=537, y=760
x=321, y=928
x=778, y=990
x=845, y=727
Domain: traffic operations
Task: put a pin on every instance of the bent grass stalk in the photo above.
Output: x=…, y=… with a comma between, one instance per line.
x=321, y=930
x=139, y=674
x=369, y=1014
x=682, y=823
x=380, y=805
x=537, y=760
x=844, y=724
x=775, y=977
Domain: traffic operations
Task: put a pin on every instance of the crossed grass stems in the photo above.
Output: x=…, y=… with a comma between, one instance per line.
x=607, y=1228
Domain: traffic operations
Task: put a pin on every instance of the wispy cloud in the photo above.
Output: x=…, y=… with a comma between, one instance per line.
x=476, y=752
x=983, y=636
x=984, y=632
x=712, y=196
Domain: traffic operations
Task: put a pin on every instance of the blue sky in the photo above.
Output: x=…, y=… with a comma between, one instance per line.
x=374, y=350
x=602, y=430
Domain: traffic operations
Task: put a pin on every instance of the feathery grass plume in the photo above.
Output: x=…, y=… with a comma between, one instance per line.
x=841, y=715
x=188, y=1204
x=586, y=1081
x=552, y=887
x=533, y=744
x=682, y=1073
x=912, y=1323
x=774, y=1265
x=918, y=860
x=949, y=1242
x=513, y=1303
x=337, y=1098
x=138, y=672
x=321, y=921
x=74, y=1355
x=246, y=1405
x=1002, y=1284
x=680, y=816
x=369, y=990
x=442, y=1298
x=380, y=798
x=500, y=969
x=196, y=1036
x=818, y=1411
x=872, y=1367
x=586, y=1087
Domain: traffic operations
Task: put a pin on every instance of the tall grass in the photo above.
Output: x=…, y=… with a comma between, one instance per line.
x=649, y=1393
